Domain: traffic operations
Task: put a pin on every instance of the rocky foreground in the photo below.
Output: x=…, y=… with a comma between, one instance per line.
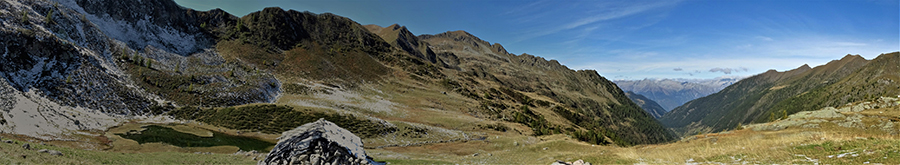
x=319, y=142
x=849, y=116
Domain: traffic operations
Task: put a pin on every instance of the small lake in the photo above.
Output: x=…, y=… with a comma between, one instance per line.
x=155, y=133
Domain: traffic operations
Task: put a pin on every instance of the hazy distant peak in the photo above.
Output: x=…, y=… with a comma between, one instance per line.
x=671, y=93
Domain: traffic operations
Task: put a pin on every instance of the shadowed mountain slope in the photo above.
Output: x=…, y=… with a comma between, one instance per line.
x=647, y=104
x=773, y=95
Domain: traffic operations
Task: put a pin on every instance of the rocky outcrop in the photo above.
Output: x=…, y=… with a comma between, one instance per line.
x=319, y=142
x=849, y=116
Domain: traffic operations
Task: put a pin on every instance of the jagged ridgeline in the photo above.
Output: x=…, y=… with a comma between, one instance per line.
x=775, y=95
x=331, y=48
x=155, y=52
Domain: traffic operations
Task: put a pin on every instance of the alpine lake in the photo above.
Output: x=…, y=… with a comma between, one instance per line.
x=185, y=138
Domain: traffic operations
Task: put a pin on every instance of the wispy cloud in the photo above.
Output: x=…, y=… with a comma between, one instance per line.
x=728, y=70
x=644, y=40
x=764, y=38
x=603, y=12
x=533, y=6
x=697, y=67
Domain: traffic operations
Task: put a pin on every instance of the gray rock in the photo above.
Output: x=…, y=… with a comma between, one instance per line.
x=857, y=108
x=824, y=113
x=844, y=109
x=577, y=162
x=854, y=121
x=55, y=153
x=319, y=142
x=43, y=151
x=811, y=126
x=559, y=162
x=26, y=146
x=8, y=141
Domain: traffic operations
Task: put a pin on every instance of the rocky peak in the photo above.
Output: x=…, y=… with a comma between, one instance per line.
x=462, y=42
x=319, y=142
x=274, y=26
x=802, y=68
x=400, y=37
x=499, y=48
x=851, y=57
x=458, y=35
x=536, y=61
x=397, y=27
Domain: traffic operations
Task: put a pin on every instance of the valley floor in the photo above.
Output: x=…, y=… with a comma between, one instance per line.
x=793, y=145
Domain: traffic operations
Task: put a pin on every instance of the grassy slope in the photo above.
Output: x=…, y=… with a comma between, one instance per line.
x=15, y=154
x=736, y=147
x=538, y=93
x=330, y=49
x=754, y=99
x=794, y=145
x=880, y=77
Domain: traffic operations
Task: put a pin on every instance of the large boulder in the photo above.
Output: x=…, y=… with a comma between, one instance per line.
x=319, y=142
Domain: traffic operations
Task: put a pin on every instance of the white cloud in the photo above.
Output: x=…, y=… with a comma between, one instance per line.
x=663, y=68
x=728, y=70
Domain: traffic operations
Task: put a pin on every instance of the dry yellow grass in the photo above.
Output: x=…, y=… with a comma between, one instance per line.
x=743, y=146
x=794, y=145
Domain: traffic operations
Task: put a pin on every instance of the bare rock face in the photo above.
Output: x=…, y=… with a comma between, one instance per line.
x=320, y=142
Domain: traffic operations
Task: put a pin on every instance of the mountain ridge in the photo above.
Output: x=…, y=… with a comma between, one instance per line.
x=756, y=98
x=168, y=57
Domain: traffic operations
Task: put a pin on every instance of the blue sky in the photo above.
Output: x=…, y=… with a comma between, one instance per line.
x=638, y=39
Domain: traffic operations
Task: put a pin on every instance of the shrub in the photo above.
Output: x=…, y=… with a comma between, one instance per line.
x=49, y=18
x=24, y=17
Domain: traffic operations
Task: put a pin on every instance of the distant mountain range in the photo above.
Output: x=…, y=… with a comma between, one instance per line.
x=671, y=93
x=774, y=95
